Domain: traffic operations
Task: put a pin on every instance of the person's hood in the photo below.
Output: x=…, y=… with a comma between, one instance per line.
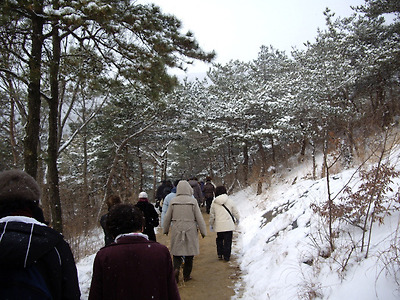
x=221, y=199
x=24, y=240
x=184, y=188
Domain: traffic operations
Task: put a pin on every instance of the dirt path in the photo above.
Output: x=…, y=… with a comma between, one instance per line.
x=212, y=278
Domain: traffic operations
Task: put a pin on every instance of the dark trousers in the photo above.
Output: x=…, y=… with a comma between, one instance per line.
x=187, y=266
x=208, y=204
x=224, y=244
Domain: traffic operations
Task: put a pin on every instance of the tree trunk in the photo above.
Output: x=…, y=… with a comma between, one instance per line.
x=262, y=170
x=350, y=137
x=314, y=161
x=85, y=175
x=303, y=147
x=271, y=139
x=154, y=179
x=12, y=134
x=87, y=200
x=164, y=165
x=330, y=202
x=44, y=199
x=52, y=150
x=128, y=187
x=34, y=102
x=246, y=162
x=141, y=169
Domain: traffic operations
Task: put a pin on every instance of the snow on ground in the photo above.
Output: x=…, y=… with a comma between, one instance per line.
x=84, y=267
x=277, y=252
x=279, y=240
x=93, y=243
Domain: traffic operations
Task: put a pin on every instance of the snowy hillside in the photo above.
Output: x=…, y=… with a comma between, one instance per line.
x=280, y=238
x=279, y=242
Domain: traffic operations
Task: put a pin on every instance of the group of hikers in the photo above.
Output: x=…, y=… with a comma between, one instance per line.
x=37, y=263
x=202, y=192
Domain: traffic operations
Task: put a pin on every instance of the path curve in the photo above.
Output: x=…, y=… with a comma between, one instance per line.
x=212, y=278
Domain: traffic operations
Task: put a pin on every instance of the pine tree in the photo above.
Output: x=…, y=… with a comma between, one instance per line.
x=135, y=41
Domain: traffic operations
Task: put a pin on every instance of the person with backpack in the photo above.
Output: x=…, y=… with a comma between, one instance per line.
x=133, y=267
x=35, y=260
x=223, y=219
x=150, y=216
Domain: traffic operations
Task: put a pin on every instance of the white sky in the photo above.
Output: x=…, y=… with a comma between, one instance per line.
x=236, y=29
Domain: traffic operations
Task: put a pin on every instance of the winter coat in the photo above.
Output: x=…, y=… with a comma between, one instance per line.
x=163, y=190
x=108, y=239
x=184, y=217
x=196, y=190
x=220, y=219
x=209, y=190
x=24, y=242
x=166, y=202
x=133, y=268
x=151, y=218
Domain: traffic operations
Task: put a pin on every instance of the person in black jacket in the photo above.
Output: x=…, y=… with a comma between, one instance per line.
x=150, y=215
x=27, y=243
x=111, y=201
x=208, y=192
x=163, y=190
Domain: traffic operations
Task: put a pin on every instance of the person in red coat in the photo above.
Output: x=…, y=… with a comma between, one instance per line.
x=132, y=267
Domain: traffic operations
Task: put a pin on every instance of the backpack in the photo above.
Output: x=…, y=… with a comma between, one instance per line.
x=27, y=283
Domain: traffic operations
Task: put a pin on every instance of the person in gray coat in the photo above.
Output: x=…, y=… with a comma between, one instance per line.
x=184, y=218
x=197, y=193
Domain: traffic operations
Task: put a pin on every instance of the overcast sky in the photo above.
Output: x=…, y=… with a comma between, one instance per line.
x=236, y=29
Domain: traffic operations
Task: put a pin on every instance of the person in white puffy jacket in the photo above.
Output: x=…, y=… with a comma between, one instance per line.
x=223, y=219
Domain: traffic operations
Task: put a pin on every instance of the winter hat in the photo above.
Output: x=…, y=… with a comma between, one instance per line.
x=143, y=195
x=17, y=184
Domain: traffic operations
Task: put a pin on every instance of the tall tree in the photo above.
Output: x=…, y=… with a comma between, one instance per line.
x=137, y=41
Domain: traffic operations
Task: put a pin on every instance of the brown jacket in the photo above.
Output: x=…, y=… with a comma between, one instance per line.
x=184, y=218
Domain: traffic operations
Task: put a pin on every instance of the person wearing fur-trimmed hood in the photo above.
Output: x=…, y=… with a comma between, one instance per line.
x=185, y=219
x=223, y=219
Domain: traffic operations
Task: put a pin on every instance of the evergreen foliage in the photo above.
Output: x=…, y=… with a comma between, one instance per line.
x=239, y=125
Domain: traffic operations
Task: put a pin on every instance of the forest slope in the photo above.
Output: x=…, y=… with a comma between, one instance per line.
x=282, y=244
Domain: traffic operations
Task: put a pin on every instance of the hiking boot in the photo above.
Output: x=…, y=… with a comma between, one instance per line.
x=187, y=278
x=220, y=257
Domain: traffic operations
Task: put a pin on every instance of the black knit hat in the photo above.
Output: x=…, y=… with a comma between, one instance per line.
x=17, y=184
